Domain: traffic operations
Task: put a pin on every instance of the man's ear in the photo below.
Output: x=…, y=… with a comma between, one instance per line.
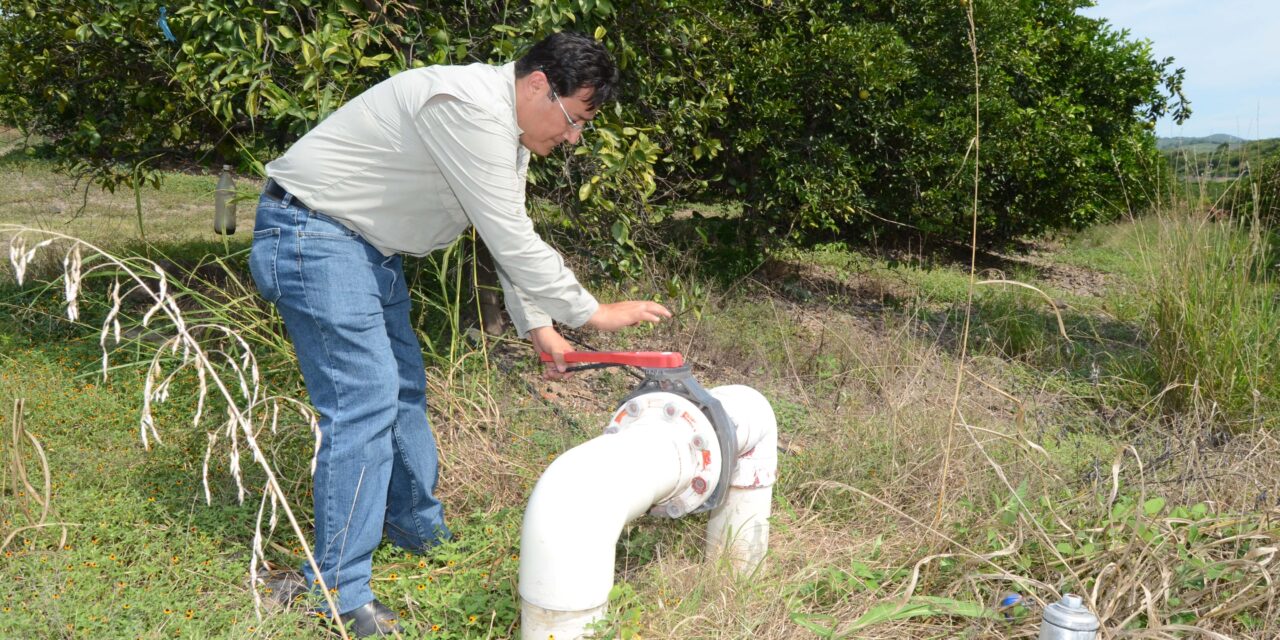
x=538, y=81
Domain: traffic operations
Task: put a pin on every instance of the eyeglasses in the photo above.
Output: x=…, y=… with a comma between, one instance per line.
x=576, y=126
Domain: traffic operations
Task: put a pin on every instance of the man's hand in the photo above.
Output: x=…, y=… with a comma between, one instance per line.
x=548, y=340
x=611, y=317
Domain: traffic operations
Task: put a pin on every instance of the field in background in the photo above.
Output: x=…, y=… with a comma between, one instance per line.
x=1216, y=172
x=1083, y=462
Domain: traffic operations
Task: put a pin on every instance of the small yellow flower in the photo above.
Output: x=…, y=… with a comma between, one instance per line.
x=191, y=613
x=451, y=563
x=471, y=619
x=168, y=611
x=125, y=605
x=435, y=627
x=422, y=564
x=393, y=575
x=422, y=587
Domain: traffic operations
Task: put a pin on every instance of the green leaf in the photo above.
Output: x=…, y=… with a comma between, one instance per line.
x=584, y=191
x=1153, y=506
x=920, y=606
x=373, y=61
x=812, y=622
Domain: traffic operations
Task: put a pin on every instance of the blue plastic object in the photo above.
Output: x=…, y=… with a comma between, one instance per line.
x=163, y=23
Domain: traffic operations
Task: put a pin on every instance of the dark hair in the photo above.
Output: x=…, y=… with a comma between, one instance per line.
x=572, y=62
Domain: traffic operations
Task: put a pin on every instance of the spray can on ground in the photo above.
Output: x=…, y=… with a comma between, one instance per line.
x=1068, y=619
x=224, y=203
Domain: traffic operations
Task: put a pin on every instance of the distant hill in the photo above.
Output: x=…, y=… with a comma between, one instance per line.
x=1207, y=143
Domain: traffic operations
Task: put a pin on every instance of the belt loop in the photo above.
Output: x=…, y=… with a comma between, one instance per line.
x=288, y=197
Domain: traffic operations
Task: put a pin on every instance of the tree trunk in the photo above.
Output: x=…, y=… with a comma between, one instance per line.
x=488, y=298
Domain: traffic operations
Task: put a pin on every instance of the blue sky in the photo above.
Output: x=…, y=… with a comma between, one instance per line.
x=1230, y=49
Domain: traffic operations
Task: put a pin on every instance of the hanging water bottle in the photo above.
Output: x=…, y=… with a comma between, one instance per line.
x=1069, y=619
x=224, y=203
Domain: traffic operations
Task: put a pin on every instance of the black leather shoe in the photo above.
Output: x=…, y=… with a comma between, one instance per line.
x=283, y=587
x=373, y=619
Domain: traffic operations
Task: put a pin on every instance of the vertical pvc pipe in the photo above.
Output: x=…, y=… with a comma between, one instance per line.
x=739, y=527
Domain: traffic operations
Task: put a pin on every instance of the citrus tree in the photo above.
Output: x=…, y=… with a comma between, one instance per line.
x=824, y=119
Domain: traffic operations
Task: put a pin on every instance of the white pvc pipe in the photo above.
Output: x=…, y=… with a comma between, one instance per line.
x=586, y=496
x=659, y=449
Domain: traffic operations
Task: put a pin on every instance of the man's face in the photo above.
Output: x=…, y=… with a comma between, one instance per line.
x=548, y=119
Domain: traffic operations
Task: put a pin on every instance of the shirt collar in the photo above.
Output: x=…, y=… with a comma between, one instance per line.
x=509, y=78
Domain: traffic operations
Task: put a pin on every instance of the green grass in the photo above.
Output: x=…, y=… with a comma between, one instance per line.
x=181, y=211
x=1202, y=293
x=888, y=478
x=1216, y=319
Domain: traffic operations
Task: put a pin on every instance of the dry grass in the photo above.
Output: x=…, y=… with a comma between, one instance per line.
x=864, y=408
x=17, y=479
x=1048, y=484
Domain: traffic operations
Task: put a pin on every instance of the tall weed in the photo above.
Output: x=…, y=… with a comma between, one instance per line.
x=1214, y=316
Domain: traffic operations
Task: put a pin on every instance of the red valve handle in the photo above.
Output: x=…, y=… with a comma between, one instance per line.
x=646, y=359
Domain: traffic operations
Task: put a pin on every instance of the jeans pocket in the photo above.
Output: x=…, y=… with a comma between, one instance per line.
x=319, y=225
x=262, y=263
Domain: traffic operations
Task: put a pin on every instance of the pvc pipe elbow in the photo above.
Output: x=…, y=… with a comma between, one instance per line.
x=651, y=454
x=577, y=512
x=757, y=429
x=658, y=450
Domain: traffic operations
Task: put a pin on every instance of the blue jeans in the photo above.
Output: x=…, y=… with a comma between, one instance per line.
x=346, y=308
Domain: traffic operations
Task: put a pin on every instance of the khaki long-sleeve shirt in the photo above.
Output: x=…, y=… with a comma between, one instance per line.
x=415, y=160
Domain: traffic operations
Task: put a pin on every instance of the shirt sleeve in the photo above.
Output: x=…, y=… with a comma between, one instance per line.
x=474, y=153
x=524, y=312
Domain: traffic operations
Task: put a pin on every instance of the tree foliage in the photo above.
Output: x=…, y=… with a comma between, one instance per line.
x=824, y=118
